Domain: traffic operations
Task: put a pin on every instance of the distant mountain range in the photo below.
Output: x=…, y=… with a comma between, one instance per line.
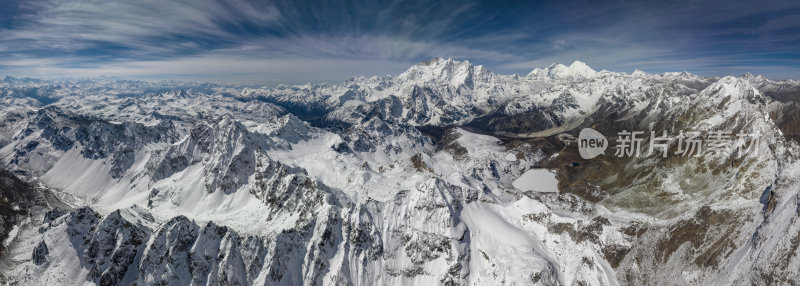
x=445, y=174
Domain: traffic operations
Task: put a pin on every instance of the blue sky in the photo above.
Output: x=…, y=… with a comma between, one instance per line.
x=274, y=42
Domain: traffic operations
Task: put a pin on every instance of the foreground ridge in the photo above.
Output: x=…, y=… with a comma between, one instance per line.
x=445, y=174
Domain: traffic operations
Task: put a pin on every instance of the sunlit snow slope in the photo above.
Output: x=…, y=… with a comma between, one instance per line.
x=445, y=174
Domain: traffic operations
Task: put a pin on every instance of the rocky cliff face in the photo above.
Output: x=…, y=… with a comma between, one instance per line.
x=445, y=174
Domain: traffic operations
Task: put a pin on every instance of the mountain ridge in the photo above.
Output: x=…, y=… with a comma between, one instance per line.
x=216, y=184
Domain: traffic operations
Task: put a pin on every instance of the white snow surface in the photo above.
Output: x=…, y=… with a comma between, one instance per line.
x=204, y=184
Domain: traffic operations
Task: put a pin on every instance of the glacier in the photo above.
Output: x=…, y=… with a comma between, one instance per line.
x=446, y=174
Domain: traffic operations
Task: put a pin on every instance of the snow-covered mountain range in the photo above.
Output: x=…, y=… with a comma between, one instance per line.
x=445, y=174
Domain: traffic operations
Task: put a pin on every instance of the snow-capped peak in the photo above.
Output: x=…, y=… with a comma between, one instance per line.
x=581, y=68
x=683, y=74
x=732, y=89
x=382, y=181
x=577, y=69
x=754, y=78
x=446, y=70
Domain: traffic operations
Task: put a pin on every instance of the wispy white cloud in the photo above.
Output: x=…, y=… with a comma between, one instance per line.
x=145, y=28
x=281, y=40
x=217, y=68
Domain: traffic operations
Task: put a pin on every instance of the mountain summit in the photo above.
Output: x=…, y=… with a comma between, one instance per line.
x=577, y=69
x=447, y=71
x=445, y=174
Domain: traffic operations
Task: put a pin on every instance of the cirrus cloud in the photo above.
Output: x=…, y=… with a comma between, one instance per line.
x=313, y=41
